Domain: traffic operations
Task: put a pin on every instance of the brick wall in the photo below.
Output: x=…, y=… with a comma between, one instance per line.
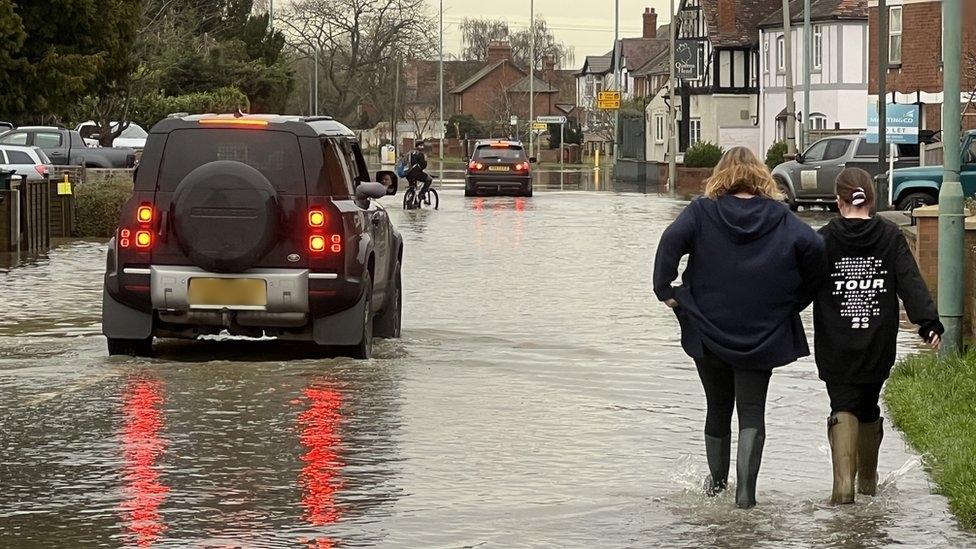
x=925, y=246
x=921, y=49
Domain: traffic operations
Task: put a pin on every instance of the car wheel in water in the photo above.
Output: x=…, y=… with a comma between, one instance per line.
x=387, y=323
x=916, y=200
x=364, y=350
x=130, y=347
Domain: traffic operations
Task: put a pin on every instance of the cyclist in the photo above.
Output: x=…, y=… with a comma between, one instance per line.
x=417, y=164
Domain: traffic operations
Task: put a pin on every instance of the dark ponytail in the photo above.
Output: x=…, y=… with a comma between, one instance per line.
x=854, y=187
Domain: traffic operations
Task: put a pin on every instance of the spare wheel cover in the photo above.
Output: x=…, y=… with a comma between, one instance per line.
x=226, y=216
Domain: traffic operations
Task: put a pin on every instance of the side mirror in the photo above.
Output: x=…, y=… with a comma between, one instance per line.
x=370, y=190
x=533, y=160
x=799, y=158
x=389, y=180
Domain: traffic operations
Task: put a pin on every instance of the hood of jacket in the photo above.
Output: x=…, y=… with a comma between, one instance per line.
x=746, y=219
x=857, y=233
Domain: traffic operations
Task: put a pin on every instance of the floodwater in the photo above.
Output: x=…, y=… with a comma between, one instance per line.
x=538, y=398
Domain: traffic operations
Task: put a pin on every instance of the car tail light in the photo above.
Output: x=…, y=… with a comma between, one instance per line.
x=144, y=239
x=316, y=218
x=522, y=167
x=124, y=238
x=316, y=243
x=336, y=243
x=144, y=214
x=41, y=170
x=476, y=166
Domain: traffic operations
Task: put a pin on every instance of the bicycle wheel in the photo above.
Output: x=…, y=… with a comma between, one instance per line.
x=408, y=199
x=433, y=199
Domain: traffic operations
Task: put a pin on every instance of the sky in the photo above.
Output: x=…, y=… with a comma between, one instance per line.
x=587, y=26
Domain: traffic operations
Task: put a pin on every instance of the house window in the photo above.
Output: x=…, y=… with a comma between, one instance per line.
x=817, y=47
x=818, y=122
x=766, y=64
x=894, y=35
x=781, y=54
x=659, y=128
x=694, y=131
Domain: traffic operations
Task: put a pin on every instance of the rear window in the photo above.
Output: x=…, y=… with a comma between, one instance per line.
x=870, y=150
x=275, y=154
x=19, y=157
x=503, y=153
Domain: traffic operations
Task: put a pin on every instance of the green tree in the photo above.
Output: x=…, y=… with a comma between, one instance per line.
x=12, y=65
x=775, y=154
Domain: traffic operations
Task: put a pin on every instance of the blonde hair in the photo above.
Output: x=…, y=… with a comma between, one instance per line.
x=739, y=171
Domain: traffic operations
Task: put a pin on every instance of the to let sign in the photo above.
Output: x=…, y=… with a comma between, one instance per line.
x=902, y=124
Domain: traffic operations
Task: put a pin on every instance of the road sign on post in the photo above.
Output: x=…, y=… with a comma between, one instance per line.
x=608, y=100
x=540, y=126
x=551, y=119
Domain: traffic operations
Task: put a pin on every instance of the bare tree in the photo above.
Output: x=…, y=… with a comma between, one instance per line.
x=421, y=116
x=356, y=41
x=478, y=34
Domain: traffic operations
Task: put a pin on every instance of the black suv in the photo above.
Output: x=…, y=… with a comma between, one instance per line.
x=498, y=166
x=260, y=225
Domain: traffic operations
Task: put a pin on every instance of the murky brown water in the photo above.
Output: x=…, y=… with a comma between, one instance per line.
x=539, y=397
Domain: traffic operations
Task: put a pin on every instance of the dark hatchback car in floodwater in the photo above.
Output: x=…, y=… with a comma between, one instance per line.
x=258, y=225
x=499, y=167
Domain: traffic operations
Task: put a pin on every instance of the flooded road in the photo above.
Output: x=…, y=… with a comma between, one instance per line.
x=539, y=397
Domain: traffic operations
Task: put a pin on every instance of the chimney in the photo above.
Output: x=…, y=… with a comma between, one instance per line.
x=650, y=23
x=498, y=51
x=548, y=68
x=726, y=15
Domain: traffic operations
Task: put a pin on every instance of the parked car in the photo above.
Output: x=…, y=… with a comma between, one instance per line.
x=132, y=136
x=257, y=225
x=67, y=148
x=915, y=187
x=810, y=178
x=498, y=167
x=30, y=162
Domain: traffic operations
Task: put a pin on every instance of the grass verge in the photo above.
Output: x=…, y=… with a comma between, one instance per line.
x=933, y=402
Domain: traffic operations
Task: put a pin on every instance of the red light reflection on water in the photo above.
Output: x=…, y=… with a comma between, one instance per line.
x=142, y=447
x=320, y=477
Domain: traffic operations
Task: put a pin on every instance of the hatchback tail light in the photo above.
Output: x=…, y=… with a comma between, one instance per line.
x=522, y=167
x=41, y=170
x=475, y=166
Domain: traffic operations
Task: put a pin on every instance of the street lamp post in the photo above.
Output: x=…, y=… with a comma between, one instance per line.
x=807, y=66
x=952, y=220
x=531, y=73
x=672, y=112
x=790, y=97
x=315, y=111
x=616, y=78
x=440, y=80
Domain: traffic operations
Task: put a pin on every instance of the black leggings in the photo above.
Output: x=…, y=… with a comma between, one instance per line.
x=727, y=389
x=860, y=399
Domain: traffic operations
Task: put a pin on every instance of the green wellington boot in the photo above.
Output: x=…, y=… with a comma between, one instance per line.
x=868, y=444
x=842, y=430
x=747, y=461
x=718, y=451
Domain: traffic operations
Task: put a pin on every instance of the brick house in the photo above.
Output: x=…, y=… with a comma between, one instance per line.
x=500, y=89
x=420, y=94
x=915, y=57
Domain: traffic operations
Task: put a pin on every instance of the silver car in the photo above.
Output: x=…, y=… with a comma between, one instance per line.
x=29, y=162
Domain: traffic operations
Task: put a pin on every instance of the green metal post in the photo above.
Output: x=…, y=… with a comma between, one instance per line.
x=951, y=201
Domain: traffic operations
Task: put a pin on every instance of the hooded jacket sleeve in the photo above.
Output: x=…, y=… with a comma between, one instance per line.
x=914, y=293
x=812, y=262
x=675, y=243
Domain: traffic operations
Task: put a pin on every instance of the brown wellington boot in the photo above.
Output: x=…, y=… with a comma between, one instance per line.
x=842, y=429
x=868, y=444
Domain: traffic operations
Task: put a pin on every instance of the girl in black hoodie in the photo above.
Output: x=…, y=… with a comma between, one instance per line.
x=856, y=327
x=752, y=267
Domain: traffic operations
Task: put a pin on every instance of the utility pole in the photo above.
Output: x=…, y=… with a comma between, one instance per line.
x=790, y=98
x=396, y=107
x=952, y=220
x=315, y=111
x=440, y=81
x=616, y=78
x=807, y=67
x=271, y=15
x=531, y=73
x=883, y=88
x=672, y=112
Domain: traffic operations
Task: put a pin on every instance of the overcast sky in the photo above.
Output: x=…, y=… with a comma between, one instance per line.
x=587, y=25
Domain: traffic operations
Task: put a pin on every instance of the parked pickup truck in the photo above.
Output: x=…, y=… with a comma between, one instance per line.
x=810, y=178
x=915, y=187
x=66, y=147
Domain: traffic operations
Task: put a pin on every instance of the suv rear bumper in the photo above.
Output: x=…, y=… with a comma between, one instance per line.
x=305, y=306
x=499, y=182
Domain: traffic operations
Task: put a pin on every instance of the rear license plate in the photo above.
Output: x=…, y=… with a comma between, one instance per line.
x=497, y=168
x=227, y=292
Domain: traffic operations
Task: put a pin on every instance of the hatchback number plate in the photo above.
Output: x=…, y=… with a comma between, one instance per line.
x=227, y=292
x=497, y=168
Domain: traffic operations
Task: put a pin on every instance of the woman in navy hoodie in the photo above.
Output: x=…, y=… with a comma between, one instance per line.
x=752, y=267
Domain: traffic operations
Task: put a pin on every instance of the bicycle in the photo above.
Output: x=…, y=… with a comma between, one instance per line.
x=413, y=200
